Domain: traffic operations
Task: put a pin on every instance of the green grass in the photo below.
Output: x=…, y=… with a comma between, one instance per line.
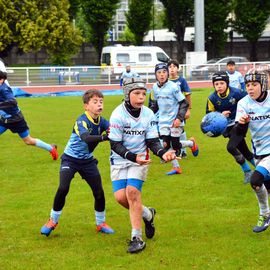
x=204, y=216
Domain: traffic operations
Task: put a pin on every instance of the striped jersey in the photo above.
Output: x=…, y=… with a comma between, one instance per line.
x=131, y=131
x=168, y=97
x=259, y=124
x=76, y=147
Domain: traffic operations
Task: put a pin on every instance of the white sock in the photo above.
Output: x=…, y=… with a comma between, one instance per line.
x=187, y=143
x=262, y=196
x=100, y=217
x=136, y=233
x=175, y=163
x=146, y=213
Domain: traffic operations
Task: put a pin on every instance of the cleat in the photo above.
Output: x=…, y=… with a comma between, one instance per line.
x=262, y=225
x=136, y=245
x=149, y=225
x=247, y=176
x=183, y=155
x=104, y=228
x=48, y=227
x=54, y=152
x=175, y=170
x=194, y=148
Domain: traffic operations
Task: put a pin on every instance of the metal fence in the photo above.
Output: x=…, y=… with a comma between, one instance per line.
x=96, y=75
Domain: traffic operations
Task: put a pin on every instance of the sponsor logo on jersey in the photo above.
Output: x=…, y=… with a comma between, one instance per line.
x=134, y=132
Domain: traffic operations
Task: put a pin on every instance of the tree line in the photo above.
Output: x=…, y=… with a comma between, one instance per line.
x=61, y=26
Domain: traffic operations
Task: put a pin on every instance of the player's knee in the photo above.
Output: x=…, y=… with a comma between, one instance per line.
x=166, y=141
x=99, y=195
x=256, y=180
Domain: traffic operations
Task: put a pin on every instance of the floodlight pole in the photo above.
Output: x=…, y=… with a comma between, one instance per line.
x=199, y=25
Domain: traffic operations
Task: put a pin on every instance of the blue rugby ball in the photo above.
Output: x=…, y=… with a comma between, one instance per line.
x=214, y=124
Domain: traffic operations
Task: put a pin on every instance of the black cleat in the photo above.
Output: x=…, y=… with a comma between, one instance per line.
x=136, y=245
x=149, y=225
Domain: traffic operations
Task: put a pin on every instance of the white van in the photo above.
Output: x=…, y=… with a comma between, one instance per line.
x=142, y=59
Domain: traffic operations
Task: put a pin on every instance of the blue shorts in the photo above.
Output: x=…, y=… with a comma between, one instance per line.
x=19, y=127
x=123, y=183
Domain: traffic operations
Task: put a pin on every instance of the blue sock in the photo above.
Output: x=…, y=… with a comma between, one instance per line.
x=43, y=145
x=252, y=161
x=55, y=215
x=100, y=217
x=245, y=167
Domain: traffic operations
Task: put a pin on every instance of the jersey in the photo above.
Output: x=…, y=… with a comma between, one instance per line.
x=236, y=80
x=182, y=84
x=259, y=124
x=129, y=74
x=168, y=97
x=6, y=95
x=227, y=103
x=76, y=147
x=131, y=131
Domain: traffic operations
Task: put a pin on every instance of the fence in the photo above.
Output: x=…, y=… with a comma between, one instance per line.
x=96, y=75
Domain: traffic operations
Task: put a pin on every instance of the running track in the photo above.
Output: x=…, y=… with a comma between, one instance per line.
x=63, y=88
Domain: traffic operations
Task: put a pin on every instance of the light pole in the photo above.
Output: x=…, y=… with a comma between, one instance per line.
x=153, y=22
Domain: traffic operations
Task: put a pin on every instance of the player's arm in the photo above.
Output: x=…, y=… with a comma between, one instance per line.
x=88, y=138
x=210, y=107
x=183, y=107
x=10, y=100
x=155, y=146
x=122, y=151
x=152, y=103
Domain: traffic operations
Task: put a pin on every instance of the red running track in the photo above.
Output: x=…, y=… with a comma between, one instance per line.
x=63, y=88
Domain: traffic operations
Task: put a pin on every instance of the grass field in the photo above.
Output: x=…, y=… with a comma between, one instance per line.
x=204, y=216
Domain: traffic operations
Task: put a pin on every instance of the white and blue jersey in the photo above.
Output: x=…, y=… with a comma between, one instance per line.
x=76, y=147
x=131, y=131
x=236, y=80
x=259, y=124
x=168, y=97
x=129, y=74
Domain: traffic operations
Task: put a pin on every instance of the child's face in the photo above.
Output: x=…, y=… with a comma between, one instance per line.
x=2, y=81
x=137, y=98
x=220, y=86
x=162, y=75
x=231, y=68
x=94, y=106
x=173, y=71
x=254, y=89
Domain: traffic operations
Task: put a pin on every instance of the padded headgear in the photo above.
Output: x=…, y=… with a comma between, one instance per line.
x=160, y=66
x=220, y=76
x=257, y=76
x=131, y=84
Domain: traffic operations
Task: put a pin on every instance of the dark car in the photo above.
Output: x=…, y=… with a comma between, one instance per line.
x=205, y=72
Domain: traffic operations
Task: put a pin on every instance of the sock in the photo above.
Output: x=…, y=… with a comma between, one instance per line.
x=183, y=137
x=175, y=163
x=262, y=196
x=252, y=161
x=146, y=213
x=136, y=233
x=245, y=167
x=55, y=215
x=100, y=217
x=187, y=143
x=43, y=145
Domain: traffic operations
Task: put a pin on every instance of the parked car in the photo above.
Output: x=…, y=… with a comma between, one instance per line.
x=205, y=71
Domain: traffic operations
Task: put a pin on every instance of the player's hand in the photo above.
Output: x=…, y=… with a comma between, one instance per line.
x=140, y=159
x=226, y=113
x=244, y=119
x=108, y=131
x=176, y=123
x=169, y=155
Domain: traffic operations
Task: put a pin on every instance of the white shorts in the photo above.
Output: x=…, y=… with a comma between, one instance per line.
x=171, y=131
x=127, y=171
x=265, y=162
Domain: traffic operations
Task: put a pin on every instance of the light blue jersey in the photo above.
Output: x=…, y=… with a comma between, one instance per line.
x=168, y=97
x=236, y=79
x=259, y=124
x=131, y=131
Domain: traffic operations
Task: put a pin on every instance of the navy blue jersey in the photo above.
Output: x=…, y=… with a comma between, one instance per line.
x=8, y=102
x=227, y=103
x=182, y=84
x=76, y=147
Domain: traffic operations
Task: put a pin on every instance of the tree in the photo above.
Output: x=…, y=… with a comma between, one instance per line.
x=216, y=23
x=179, y=15
x=250, y=21
x=98, y=15
x=32, y=25
x=139, y=17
